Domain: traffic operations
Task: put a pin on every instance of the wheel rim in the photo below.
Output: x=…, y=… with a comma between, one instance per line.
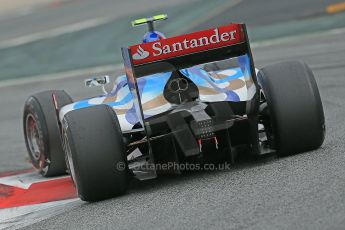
x=33, y=137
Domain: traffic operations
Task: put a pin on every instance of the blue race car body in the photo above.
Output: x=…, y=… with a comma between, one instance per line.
x=233, y=84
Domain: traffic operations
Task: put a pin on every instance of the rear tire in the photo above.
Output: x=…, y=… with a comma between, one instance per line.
x=96, y=152
x=294, y=105
x=42, y=132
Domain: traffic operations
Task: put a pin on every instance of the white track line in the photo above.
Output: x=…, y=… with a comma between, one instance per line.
x=19, y=217
x=277, y=41
x=24, y=181
x=54, y=32
x=62, y=75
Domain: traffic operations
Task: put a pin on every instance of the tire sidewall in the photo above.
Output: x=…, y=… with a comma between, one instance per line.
x=33, y=108
x=91, y=181
x=41, y=107
x=294, y=105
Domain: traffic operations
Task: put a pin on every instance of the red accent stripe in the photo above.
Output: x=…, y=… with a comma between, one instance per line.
x=55, y=102
x=42, y=192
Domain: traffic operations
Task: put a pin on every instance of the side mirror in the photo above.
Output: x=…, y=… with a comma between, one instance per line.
x=97, y=81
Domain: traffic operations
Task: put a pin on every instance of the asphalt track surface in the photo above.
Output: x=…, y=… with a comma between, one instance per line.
x=304, y=191
x=259, y=13
x=69, y=12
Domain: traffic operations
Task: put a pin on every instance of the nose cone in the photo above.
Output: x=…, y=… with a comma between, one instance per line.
x=153, y=36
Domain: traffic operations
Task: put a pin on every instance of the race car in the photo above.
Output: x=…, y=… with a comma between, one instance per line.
x=194, y=98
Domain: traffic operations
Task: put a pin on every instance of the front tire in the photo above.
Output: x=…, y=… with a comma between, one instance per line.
x=96, y=152
x=42, y=133
x=294, y=105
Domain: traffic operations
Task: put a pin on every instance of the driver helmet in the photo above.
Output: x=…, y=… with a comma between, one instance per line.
x=153, y=36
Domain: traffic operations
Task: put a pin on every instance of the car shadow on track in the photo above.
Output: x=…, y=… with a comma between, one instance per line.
x=168, y=180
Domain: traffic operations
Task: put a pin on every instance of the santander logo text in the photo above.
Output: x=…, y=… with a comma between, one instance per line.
x=160, y=49
x=187, y=44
